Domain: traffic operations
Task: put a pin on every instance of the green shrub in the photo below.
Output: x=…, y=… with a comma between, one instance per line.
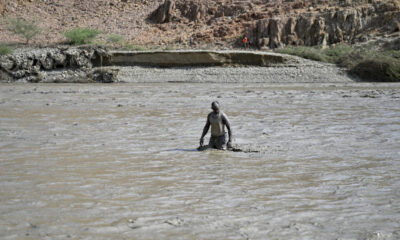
x=337, y=52
x=305, y=52
x=78, y=36
x=392, y=53
x=114, y=38
x=379, y=68
x=332, y=54
x=26, y=29
x=4, y=50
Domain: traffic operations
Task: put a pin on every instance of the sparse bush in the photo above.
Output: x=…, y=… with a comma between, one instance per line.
x=114, y=38
x=26, y=29
x=337, y=52
x=4, y=50
x=78, y=36
x=305, y=52
x=392, y=53
x=354, y=57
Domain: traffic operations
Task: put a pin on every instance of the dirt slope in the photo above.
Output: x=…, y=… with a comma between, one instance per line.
x=125, y=17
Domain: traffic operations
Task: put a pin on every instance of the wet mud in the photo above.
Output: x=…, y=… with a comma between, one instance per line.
x=232, y=149
x=94, y=161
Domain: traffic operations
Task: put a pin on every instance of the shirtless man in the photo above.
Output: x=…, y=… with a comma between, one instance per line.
x=217, y=120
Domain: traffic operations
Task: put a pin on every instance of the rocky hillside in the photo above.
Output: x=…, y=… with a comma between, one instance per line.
x=221, y=23
x=278, y=23
x=123, y=17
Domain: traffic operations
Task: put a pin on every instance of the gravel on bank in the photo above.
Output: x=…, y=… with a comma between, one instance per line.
x=305, y=71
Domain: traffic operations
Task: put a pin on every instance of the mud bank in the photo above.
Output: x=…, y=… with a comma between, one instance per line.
x=96, y=64
x=197, y=58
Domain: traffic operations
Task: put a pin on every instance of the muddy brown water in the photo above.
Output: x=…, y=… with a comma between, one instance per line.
x=119, y=161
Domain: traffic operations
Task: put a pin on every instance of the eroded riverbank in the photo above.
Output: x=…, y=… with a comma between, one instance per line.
x=118, y=161
x=91, y=64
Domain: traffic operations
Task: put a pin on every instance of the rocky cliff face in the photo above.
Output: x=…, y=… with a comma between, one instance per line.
x=349, y=25
x=220, y=23
x=275, y=24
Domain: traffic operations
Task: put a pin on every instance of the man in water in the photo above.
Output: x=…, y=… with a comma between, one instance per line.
x=217, y=120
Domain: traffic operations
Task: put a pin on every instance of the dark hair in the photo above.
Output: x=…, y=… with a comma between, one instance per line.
x=215, y=102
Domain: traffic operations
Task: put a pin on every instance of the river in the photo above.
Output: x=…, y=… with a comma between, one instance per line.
x=91, y=161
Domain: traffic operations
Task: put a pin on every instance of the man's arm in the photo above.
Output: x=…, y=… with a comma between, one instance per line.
x=228, y=126
x=205, y=130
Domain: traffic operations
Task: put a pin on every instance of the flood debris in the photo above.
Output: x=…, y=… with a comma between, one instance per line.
x=232, y=149
x=176, y=222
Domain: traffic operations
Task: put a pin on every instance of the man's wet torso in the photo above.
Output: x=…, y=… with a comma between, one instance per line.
x=217, y=124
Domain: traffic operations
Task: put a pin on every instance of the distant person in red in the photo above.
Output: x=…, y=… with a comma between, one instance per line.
x=245, y=42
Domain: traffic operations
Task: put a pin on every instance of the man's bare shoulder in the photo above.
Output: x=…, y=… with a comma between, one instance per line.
x=224, y=117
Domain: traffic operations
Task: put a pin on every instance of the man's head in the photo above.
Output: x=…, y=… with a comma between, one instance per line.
x=215, y=106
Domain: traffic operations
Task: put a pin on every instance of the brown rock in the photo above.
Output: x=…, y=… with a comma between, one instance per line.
x=164, y=12
x=2, y=6
x=194, y=11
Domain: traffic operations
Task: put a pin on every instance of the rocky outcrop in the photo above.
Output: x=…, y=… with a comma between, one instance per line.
x=170, y=11
x=29, y=65
x=347, y=25
x=164, y=12
x=274, y=24
x=195, y=11
x=104, y=75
